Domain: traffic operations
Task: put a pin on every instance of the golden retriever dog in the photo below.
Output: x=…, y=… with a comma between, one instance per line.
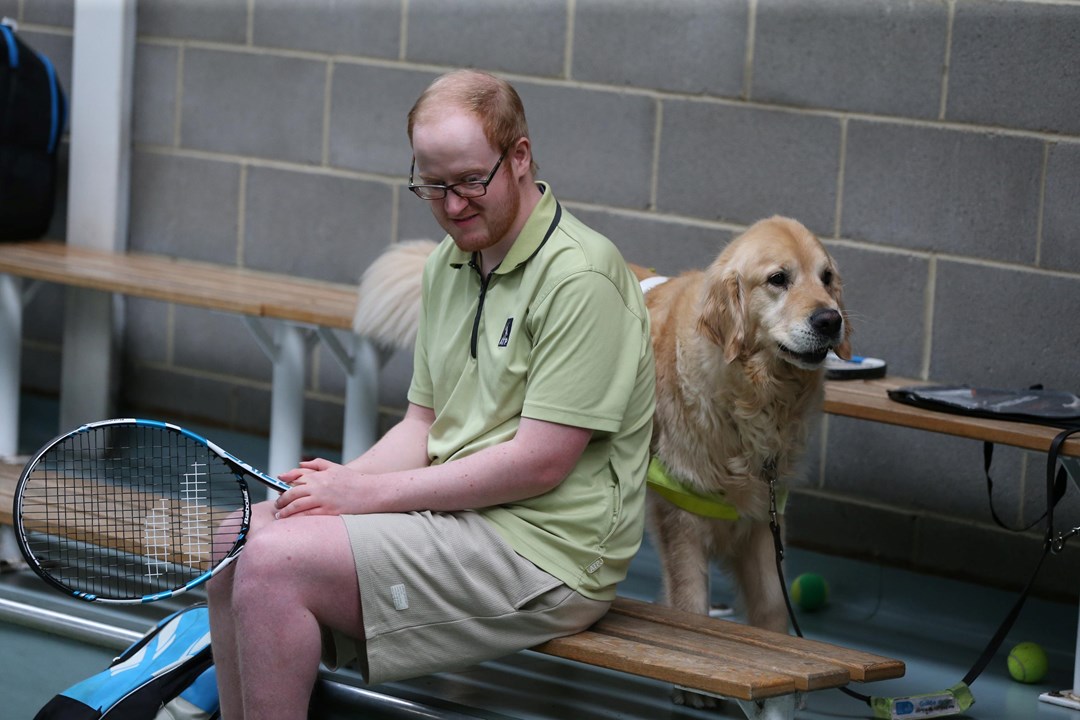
x=740, y=350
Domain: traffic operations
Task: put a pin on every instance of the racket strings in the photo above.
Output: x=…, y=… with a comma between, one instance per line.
x=128, y=512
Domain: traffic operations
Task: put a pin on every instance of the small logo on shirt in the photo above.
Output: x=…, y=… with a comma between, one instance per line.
x=504, y=340
x=400, y=597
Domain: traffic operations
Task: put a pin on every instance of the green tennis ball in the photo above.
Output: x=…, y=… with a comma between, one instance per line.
x=1028, y=663
x=810, y=591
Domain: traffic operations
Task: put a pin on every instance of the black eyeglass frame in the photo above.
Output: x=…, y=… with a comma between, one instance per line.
x=441, y=190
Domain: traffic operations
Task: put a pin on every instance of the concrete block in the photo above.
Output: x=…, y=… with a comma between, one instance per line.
x=668, y=246
x=157, y=392
x=592, y=146
x=884, y=57
x=198, y=345
x=824, y=523
x=9, y=9
x=951, y=191
x=215, y=20
x=315, y=226
x=249, y=410
x=60, y=13
x=740, y=164
x=1001, y=559
x=40, y=374
x=369, y=28
x=369, y=117
x=153, y=101
x=1060, y=249
x=248, y=104
x=885, y=294
x=1005, y=327
x=186, y=207
x=323, y=426
x=43, y=316
x=702, y=45
x=1033, y=499
x=328, y=377
x=1013, y=65
x=147, y=325
x=527, y=36
x=415, y=221
x=918, y=472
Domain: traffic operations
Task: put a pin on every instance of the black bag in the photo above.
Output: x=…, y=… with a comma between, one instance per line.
x=1055, y=408
x=1031, y=405
x=33, y=112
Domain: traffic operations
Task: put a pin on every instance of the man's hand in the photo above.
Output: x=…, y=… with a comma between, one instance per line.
x=321, y=487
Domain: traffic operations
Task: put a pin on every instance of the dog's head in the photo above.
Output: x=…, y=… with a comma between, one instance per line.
x=775, y=289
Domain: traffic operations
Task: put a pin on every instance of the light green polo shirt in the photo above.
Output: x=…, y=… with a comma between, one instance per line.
x=558, y=333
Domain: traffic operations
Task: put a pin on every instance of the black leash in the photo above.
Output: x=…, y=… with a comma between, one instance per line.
x=958, y=698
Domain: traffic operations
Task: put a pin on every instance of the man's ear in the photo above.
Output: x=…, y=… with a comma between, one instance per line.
x=520, y=157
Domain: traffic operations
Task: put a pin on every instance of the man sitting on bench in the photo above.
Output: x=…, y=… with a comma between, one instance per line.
x=505, y=507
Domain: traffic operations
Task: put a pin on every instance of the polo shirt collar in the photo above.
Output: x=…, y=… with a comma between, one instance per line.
x=542, y=222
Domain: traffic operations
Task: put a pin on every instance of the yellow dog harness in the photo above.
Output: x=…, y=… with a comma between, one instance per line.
x=710, y=505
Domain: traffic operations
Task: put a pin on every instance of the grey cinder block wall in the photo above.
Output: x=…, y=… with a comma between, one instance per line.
x=934, y=145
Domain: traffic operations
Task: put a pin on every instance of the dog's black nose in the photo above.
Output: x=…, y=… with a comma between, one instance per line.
x=827, y=321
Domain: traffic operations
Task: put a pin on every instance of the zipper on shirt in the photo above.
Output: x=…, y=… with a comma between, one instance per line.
x=484, y=281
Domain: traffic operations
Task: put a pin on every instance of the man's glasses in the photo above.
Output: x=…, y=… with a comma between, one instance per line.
x=467, y=189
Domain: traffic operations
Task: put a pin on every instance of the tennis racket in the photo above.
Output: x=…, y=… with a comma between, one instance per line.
x=133, y=511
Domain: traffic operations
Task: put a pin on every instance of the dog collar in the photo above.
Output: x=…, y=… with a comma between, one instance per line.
x=710, y=505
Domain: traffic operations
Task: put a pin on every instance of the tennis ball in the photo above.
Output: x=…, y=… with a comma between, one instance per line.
x=810, y=591
x=1028, y=663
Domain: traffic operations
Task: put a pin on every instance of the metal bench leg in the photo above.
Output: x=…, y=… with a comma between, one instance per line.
x=287, y=349
x=287, y=399
x=361, y=364
x=777, y=708
x=88, y=362
x=10, y=362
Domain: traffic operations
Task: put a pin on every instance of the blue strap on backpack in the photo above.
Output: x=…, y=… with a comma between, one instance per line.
x=168, y=673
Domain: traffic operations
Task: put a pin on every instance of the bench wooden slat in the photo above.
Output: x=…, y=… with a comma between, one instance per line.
x=9, y=476
x=188, y=282
x=868, y=400
x=808, y=673
x=727, y=677
x=861, y=666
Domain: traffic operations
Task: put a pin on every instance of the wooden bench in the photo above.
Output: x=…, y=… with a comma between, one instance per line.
x=869, y=400
x=759, y=669
x=297, y=308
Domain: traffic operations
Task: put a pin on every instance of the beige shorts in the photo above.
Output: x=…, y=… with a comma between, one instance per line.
x=443, y=591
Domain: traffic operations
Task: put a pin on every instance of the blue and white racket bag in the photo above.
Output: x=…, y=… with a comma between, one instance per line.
x=168, y=674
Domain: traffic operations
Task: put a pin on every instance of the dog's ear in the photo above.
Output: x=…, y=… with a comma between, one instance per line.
x=724, y=314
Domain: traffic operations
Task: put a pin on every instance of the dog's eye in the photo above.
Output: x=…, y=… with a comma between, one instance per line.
x=778, y=279
x=826, y=278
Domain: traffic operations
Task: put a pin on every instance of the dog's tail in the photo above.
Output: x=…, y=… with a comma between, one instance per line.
x=388, y=302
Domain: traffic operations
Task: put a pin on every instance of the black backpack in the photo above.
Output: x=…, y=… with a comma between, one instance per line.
x=33, y=112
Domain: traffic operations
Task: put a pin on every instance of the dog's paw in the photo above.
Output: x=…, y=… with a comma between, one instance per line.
x=692, y=699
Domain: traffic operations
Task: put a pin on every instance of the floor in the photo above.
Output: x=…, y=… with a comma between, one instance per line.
x=937, y=626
